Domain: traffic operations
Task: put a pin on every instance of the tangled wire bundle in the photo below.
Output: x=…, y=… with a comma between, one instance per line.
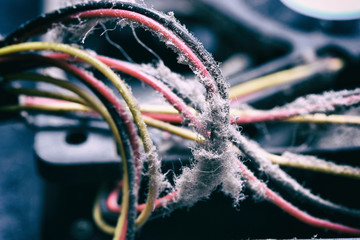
x=222, y=156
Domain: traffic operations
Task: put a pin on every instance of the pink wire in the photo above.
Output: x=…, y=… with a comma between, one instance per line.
x=30, y=101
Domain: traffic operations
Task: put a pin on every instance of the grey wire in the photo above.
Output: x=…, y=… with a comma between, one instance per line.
x=117, y=46
x=144, y=45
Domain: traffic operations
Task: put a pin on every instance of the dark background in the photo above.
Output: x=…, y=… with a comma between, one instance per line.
x=20, y=185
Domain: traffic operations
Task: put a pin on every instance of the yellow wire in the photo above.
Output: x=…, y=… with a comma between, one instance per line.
x=121, y=87
x=323, y=118
x=285, y=76
x=99, y=107
x=342, y=170
x=181, y=132
x=98, y=219
x=49, y=108
x=309, y=118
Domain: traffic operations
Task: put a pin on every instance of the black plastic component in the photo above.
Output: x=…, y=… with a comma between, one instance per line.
x=76, y=155
x=269, y=27
x=75, y=150
x=298, y=33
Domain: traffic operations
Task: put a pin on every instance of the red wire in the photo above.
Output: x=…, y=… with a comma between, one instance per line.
x=263, y=116
x=113, y=205
x=112, y=201
x=181, y=107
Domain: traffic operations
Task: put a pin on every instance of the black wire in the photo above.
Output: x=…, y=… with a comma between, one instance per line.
x=143, y=44
x=115, y=45
x=121, y=126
